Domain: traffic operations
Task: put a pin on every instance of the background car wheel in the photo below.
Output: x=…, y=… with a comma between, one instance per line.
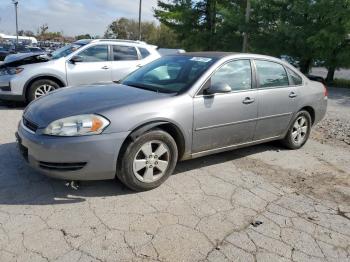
x=41, y=87
x=148, y=161
x=299, y=131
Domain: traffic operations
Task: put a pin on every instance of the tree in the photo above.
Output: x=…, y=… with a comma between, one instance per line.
x=86, y=36
x=124, y=28
x=205, y=24
x=303, y=29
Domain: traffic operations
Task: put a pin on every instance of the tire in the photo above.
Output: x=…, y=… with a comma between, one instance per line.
x=135, y=168
x=42, y=86
x=299, y=131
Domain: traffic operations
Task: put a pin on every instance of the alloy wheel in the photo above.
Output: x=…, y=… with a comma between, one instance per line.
x=151, y=161
x=300, y=129
x=43, y=90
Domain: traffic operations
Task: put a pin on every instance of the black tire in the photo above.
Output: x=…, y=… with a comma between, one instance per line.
x=37, y=84
x=125, y=171
x=289, y=141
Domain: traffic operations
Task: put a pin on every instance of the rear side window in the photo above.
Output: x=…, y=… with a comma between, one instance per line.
x=296, y=79
x=271, y=74
x=122, y=53
x=97, y=53
x=144, y=52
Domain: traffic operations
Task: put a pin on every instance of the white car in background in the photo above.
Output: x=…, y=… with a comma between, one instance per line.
x=29, y=76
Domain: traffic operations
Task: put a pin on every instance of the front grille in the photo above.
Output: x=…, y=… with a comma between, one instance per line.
x=30, y=125
x=62, y=166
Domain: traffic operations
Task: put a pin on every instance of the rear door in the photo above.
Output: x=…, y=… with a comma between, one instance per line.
x=125, y=59
x=94, y=68
x=278, y=99
x=222, y=120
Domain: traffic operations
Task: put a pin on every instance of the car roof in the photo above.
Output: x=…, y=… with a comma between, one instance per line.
x=209, y=54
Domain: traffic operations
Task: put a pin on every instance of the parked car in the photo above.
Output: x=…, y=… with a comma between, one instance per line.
x=83, y=62
x=5, y=50
x=175, y=108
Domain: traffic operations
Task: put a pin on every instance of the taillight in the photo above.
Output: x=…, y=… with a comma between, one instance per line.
x=325, y=92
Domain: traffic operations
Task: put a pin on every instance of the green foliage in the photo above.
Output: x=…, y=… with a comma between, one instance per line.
x=151, y=33
x=306, y=30
x=86, y=36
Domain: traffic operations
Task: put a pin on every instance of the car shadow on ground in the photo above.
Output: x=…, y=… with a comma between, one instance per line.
x=5, y=105
x=21, y=185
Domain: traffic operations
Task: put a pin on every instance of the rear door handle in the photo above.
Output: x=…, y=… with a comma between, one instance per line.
x=105, y=67
x=292, y=95
x=248, y=100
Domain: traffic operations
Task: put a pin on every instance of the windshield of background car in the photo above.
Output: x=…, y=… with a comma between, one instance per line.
x=169, y=74
x=64, y=51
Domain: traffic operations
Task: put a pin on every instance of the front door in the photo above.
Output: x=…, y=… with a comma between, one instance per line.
x=222, y=120
x=94, y=68
x=277, y=99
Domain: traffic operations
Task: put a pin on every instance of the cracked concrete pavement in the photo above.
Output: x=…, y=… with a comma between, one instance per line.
x=262, y=203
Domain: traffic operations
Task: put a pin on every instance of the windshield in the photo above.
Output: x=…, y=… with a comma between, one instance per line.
x=170, y=74
x=64, y=51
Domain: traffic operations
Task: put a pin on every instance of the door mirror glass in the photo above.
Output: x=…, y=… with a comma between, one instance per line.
x=218, y=88
x=76, y=59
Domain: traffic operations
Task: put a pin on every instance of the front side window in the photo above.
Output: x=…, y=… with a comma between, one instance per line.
x=236, y=74
x=169, y=74
x=271, y=74
x=65, y=50
x=297, y=80
x=97, y=53
x=122, y=53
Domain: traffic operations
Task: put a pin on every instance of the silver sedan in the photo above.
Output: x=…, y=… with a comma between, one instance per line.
x=176, y=108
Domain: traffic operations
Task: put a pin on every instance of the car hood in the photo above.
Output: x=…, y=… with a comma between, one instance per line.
x=24, y=59
x=93, y=99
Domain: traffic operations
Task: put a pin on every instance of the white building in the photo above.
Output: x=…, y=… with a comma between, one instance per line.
x=27, y=39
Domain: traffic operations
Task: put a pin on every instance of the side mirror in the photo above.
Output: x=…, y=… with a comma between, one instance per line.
x=218, y=88
x=76, y=59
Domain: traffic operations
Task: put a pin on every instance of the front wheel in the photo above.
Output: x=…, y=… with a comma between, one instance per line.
x=148, y=161
x=40, y=88
x=299, y=131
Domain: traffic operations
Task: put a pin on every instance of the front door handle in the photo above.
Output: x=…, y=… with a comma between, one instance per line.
x=292, y=95
x=105, y=67
x=248, y=100
x=139, y=65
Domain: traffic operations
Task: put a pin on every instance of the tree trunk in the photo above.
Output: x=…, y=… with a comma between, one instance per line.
x=330, y=74
x=305, y=65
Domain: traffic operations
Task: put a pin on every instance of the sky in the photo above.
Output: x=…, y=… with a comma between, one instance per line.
x=73, y=17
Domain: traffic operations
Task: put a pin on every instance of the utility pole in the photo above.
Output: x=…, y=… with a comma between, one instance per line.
x=15, y=2
x=245, y=34
x=140, y=9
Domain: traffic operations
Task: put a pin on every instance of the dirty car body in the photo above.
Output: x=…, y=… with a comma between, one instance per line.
x=204, y=102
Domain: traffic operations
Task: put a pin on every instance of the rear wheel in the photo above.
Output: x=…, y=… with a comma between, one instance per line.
x=299, y=131
x=148, y=161
x=41, y=87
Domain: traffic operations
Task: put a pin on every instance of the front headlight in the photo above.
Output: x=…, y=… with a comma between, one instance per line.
x=81, y=125
x=11, y=70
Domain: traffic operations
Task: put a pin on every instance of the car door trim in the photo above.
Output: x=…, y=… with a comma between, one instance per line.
x=230, y=147
x=241, y=122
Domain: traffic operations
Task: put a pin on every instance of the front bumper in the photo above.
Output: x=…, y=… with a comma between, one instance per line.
x=11, y=88
x=72, y=158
